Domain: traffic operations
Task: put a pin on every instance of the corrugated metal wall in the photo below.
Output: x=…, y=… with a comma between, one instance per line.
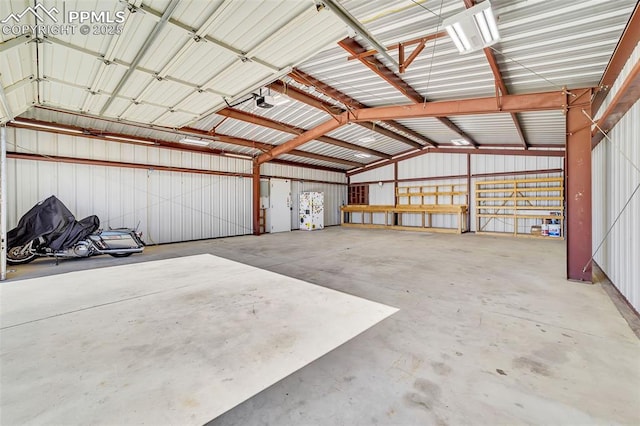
x=438, y=164
x=335, y=195
x=170, y=206
x=614, y=181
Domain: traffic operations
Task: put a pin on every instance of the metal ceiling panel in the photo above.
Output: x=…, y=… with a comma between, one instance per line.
x=61, y=95
x=208, y=123
x=244, y=130
x=17, y=63
x=68, y=65
x=337, y=151
x=369, y=139
x=165, y=92
x=314, y=162
x=431, y=128
x=200, y=62
x=544, y=127
x=546, y=45
x=489, y=128
x=294, y=113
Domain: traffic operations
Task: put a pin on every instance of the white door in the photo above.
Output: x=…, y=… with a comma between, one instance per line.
x=280, y=205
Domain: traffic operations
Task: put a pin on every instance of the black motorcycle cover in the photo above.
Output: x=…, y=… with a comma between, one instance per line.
x=53, y=221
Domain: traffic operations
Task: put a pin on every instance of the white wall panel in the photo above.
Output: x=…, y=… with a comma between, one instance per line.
x=433, y=165
x=615, y=166
x=512, y=163
x=374, y=175
x=45, y=143
x=169, y=206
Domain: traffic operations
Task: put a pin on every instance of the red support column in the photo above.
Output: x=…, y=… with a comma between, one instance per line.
x=578, y=187
x=256, y=198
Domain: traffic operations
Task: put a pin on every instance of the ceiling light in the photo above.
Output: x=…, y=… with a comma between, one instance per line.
x=38, y=126
x=120, y=138
x=460, y=142
x=196, y=142
x=362, y=155
x=244, y=157
x=473, y=29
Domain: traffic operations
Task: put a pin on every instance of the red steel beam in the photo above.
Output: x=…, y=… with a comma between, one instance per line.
x=307, y=79
x=419, y=41
x=301, y=96
x=287, y=128
x=265, y=147
x=100, y=135
x=578, y=189
x=627, y=43
x=510, y=103
x=625, y=98
x=327, y=126
x=503, y=89
x=332, y=93
x=353, y=47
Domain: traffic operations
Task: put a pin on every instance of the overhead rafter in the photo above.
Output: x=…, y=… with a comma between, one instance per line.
x=265, y=147
x=502, y=87
x=404, y=63
x=314, y=101
x=545, y=101
x=163, y=143
x=329, y=125
x=354, y=48
x=627, y=43
x=287, y=128
x=308, y=80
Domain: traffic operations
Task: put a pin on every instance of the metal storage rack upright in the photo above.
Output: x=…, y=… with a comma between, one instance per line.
x=528, y=201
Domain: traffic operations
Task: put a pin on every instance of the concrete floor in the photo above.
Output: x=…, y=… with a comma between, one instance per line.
x=488, y=332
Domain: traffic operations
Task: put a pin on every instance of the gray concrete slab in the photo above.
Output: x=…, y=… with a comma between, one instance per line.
x=174, y=341
x=488, y=332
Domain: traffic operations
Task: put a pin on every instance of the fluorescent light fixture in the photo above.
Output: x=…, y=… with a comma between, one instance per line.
x=368, y=139
x=460, y=142
x=242, y=156
x=38, y=126
x=362, y=155
x=473, y=29
x=196, y=142
x=121, y=138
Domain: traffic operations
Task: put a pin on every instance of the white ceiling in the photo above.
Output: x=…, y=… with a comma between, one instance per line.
x=174, y=62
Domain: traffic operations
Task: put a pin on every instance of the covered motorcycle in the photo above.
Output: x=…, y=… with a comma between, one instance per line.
x=50, y=229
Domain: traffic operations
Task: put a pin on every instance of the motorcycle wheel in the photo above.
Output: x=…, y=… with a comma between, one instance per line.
x=15, y=256
x=120, y=254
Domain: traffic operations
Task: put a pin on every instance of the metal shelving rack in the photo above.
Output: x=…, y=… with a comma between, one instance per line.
x=517, y=200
